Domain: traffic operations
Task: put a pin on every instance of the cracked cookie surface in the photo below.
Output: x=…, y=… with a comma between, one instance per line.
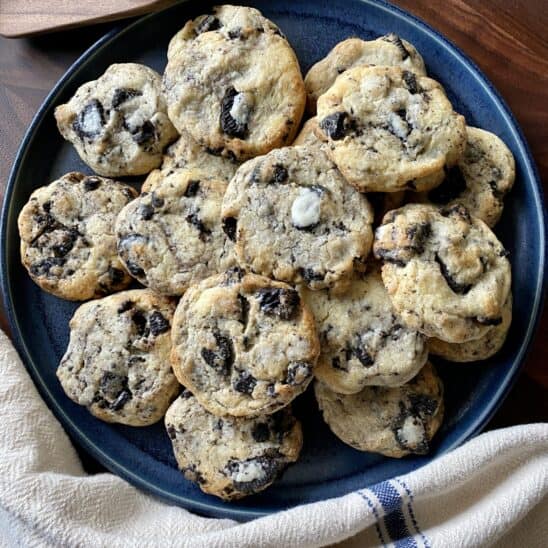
x=118, y=123
x=117, y=361
x=483, y=176
x=173, y=237
x=187, y=154
x=478, y=349
x=234, y=84
x=68, y=244
x=395, y=421
x=389, y=50
x=445, y=271
x=390, y=129
x=243, y=344
x=294, y=217
x=231, y=457
x=362, y=340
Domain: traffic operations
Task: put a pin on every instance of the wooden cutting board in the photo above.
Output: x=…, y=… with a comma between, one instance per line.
x=28, y=17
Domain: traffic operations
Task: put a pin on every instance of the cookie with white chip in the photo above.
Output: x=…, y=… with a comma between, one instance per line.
x=363, y=342
x=68, y=243
x=118, y=123
x=233, y=83
x=446, y=273
x=390, y=129
x=389, y=50
x=117, y=361
x=293, y=217
x=394, y=421
x=231, y=457
x=243, y=344
x=483, y=176
x=478, y=349
x=172, y=237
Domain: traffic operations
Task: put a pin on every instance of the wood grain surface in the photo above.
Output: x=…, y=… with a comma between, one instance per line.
x=506, y=38
x=29, y=17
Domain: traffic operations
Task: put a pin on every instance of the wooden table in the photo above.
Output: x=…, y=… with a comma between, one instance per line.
x=506, y=38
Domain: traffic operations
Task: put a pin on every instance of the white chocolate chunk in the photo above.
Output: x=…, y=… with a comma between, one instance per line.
x=241, y=107
x=412, y=432
x=305, y=210
x=91, y=122
x=248, y=471
x=399, y=126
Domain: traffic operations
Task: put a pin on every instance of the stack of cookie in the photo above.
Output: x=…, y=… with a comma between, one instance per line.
x=259, y=260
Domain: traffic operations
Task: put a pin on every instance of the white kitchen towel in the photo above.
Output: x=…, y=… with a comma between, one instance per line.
x=490, y=491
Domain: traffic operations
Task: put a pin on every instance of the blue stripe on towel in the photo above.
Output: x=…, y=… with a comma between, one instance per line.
x=411, y=513
x=394, y=520
x=364, y=496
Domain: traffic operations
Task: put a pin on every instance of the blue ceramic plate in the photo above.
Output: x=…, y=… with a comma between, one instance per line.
x=327, y=468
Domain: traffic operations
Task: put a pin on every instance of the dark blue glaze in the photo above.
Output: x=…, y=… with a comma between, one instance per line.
x=327, y=468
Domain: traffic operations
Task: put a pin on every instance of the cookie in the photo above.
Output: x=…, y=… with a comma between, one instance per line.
x=293, y=217
x=118, y=123
x=234, y=84
x=478, y=349
x=117, y=360
x=445, y=271
x=481, y=179
x=362, y=340
x=68, y=244
x=389, y=50
x=243, y=344
x=186, y=154
x=390, y=129
x=234, y=22
x=309, y=134
x=395, y=421
x=172, y=237
x=231, y=457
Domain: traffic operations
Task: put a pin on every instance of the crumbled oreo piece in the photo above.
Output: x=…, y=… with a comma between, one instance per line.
x=335, y=125
x=121, y=95
x=67, y=243
x=456, y=287
x=309, y=275
x=222, y=357
x=252, y=474
x=144, y=134
x=43, y=267
x=158, y=324
x=156, y=201
x=207, y=24
x=192, y=188
x=298, y=372
x=279, y=302
x=245, y=383
x=92, y=183
x=230, y=225
x=140, y=322
x=90, y=120
x=410, y=81
x=146, y=211
x=229, y=125
x=280, y=174
x=483, y=320
x=397, y=41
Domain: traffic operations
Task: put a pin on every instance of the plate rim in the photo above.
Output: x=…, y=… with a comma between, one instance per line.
x=217, y=508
